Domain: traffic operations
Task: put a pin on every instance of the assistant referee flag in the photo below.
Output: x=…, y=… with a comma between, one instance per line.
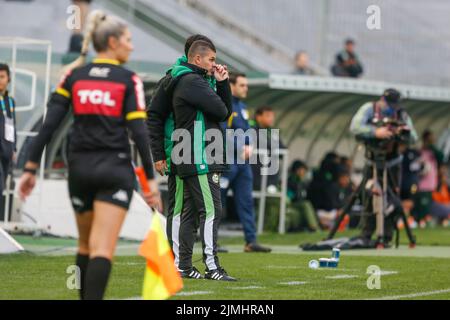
x=161, y=279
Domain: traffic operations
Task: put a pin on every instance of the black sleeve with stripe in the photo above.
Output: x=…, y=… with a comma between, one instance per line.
x=140, y=137
x=58, y=107
x=135, y=115
x=157, y=113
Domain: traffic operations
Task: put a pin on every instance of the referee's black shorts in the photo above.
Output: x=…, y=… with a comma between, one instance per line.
x=106, y=176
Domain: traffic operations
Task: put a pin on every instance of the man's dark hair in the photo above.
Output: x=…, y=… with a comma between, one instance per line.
x=5, y=67
x=200, y=47
x=262, y=110
x=344, y=159
x=235, y=75
x=426, y=134
x=349, y=41
x=341, y=171
x=392, y=96
x=196, y=37
x=297, y=164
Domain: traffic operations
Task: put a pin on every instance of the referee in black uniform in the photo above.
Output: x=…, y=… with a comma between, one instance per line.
x=8, y=135
x=108, y=102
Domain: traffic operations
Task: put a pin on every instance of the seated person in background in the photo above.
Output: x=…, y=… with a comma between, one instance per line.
x=302, y=64
x=322, y=179
x=345, y=189
x=265, y=120
x=297, y=194
x=411, y=168
x=323, y=190
x=347, y=163
x=347, y=63
x=440, y=206
x=428, y=182
x=345, y=186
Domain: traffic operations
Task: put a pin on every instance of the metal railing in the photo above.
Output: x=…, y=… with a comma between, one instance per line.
x=282, y=194
x=14, y=43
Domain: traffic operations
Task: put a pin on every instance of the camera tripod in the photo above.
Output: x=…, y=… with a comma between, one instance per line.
x=377, y=169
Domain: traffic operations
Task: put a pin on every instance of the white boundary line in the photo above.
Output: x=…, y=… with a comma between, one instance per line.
x=342, y=276
x=187, y=293
x=412, y=295
x=293, y=283
x=12, y=240
x=247, y=288
x=193, y=293
x=387, y=272
x=130, y=263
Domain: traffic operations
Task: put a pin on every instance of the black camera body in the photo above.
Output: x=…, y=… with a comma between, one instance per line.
x=402, y=135
x=379, y=149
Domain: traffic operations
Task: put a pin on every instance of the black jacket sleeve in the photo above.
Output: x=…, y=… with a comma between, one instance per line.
x=224, y=92
x=197, y=92
x=58, y=107
x=157, y=113
x=140, y=137
x=135, y=115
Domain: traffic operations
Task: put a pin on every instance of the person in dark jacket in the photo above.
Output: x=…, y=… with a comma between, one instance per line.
x=198, y=111
x=347, y=63
x=320, y=190
x=8, y=135
x=324, y=190
x=240, y=178
x=297, y=192
x=265, y=120
x=161, y=125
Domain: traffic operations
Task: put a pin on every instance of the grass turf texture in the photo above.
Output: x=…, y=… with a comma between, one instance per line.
x=261, y=276
x=439, y=236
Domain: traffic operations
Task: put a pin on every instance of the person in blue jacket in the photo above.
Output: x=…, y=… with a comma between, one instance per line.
x=8, y=134
x=239, y=177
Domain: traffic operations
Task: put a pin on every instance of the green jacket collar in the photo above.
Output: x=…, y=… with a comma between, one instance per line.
x=181, y=67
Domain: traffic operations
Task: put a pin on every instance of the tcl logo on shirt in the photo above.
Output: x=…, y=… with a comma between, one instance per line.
x=98, y=98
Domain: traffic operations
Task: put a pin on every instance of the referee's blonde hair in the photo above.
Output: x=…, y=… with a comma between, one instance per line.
x=100, y=27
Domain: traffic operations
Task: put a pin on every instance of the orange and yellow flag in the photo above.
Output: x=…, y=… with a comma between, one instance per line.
x=161, y=279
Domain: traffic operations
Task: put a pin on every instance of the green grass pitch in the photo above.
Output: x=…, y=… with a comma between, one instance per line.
x=421, y=273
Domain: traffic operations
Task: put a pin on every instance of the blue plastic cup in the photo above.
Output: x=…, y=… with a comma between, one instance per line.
x=333, y=263
x=323, y=262
x=336, y=253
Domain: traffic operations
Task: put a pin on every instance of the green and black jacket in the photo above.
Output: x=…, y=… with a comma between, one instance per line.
x=160, y=113
x=194, y=101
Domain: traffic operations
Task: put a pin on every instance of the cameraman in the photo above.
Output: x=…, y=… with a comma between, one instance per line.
x=364, y=123
x=382, y=125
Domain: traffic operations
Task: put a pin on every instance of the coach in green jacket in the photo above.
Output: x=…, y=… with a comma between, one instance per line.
x=198, y=111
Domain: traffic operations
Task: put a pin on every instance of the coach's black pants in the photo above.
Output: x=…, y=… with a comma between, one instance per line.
x=176, y=189
x=202, y=200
